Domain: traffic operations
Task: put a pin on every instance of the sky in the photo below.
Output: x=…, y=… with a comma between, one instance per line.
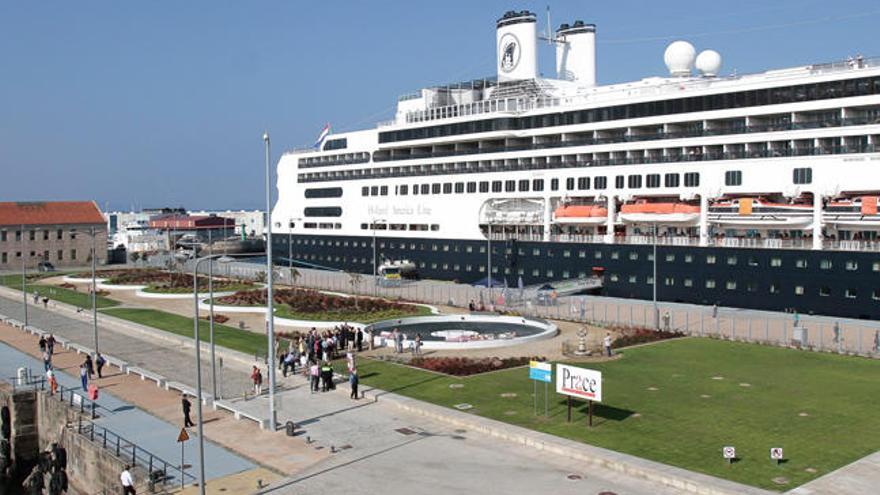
x=164, y=103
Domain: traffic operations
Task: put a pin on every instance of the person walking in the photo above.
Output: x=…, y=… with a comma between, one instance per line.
x=359, y=339
x=42, y=344
x=417, y=345
x=47, y=361
x=90, y=366
x=715, y=310
x=607, y=343
x=314, y=373
x=127, y=481
x=353, y=381
x=257, y=378
x=99, y=364
x=187, y=406
x=50, y=344
x=53, y=382
x=84, y=377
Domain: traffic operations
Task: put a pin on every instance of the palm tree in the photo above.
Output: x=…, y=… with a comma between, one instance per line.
x=354, y=280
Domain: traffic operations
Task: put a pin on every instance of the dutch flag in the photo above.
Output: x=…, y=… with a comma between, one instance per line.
x=324, y=132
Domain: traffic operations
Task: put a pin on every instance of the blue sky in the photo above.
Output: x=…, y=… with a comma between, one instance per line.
x=164, y=102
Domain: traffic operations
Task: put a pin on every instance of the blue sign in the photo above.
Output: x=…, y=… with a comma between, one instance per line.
x=542, y=372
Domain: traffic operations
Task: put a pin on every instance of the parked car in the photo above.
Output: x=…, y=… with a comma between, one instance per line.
x=45, y=266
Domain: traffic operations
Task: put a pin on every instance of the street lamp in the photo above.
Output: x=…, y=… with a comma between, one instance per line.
x=270, y=313
x=93, y=234
x=290, y=247
x=375, y=266
x=654, y=285
x=489, y=256
x=24, y=276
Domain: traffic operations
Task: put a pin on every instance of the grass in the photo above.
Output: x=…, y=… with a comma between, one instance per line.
x=675, y=424
x=224, y=335
x=60, y=294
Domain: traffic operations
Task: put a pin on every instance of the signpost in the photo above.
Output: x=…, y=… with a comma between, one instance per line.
x=729, y=453
x=540, y=372
x=181, y=439
x=776, y=454
x=579, y=382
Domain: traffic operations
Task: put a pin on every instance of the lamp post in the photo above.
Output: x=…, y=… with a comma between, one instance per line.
x=24, y=276
x=375, y=266
x=489, y=257
x=270, y=313
x=654, y=285
x=290, y=247
x=198, y=344
x=94, y=298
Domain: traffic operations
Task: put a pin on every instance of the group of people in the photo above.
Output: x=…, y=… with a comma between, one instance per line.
x=87, y=369
x=398, y=338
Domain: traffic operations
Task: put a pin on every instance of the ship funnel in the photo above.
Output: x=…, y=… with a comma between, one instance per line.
x=576, y=53
x=517, y=42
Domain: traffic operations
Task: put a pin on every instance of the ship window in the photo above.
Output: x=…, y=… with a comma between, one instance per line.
x=524, y=185
x=554, y=184
x=325, y=192
x=583, y=183
x=632, y=279
x=618, y=182
x=415, y=189
x=798, y=290
x=509, y=186
x=634, y=181
x=825, y=264
x=710, y=259
x=435, y=227
x=710, y=284
x=447, y=188
x=730, y=285
x=652, y=180
x=774, y=288
x=733, y=178
x=731, y=260
x=692, y=179
x=777, y=262
x=322, y=211
x=615, y=255
x=538, y=185
x=459, y=187
x=671, y=180
x=649, y=280
x=365, y=191
x=471, y=187
x=633, y=255
x=601, y=182
x=876, y=266
x=824, y=291
x=613, y=277
x=852, y=266
x=876, y=295
x=752, y=287
x=435, y=188
x=374, y=191
x=496, y=186
x=670, y=258
x=569, y=183
x=688, y=258
x=800, y=263
x=404, y=190
x=669, y=281
x=484, y=186
x=802, y=175
x=383, y=190
x=597, y=255
x=850, y=293
x=753, y=261
x=688, y=282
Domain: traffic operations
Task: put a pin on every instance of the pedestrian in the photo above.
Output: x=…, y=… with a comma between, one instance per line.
x=127, y=481
x=90, y=366
x=46, y=302
x=417, y=345
x=607, y=343
x=359, y=339
x=353, y=381
x=715, y=310
x=42, y=344
x=257, y=378
x=47, y=361
x=289, y=362
x=99, y=363
x=281, y=357
x=36, y=297
x=370, y=342
x=187, y=405
x=797, y=318
x=314, y=373
x=53, y=382
x=471, y=306
x=666, y=319
x=349, y=360
x=50, y=344
x=84, y=377
x=326, y=377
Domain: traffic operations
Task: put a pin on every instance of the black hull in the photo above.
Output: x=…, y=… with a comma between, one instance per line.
x=835, y=283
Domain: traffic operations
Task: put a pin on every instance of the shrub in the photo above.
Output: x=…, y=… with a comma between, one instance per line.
x=464, y=366
x=633, y=336
x=312, y=301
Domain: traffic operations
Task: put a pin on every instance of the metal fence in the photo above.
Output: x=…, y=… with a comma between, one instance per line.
x=820, y=333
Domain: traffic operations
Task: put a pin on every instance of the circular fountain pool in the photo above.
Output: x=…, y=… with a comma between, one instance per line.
x=466, y=331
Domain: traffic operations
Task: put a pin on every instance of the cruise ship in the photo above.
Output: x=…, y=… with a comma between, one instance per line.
x=757, y=190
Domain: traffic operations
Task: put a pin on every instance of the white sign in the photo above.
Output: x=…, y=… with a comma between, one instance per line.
x=776, y=453
x=728, y=452
x=579, y=382
x=77, y=399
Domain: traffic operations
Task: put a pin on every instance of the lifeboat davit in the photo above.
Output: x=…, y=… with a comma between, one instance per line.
x=853, y=214
x=581, y=214
x=669, y=212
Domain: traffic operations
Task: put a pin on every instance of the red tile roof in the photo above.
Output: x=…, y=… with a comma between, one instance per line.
x=50, y=213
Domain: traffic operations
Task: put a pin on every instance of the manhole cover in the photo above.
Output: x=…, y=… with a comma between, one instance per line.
x=704, y=396
x=636, y=415
x=574, y=477
x=456, y=385
x=405, y=431
x=463, y=406
x=345, y=447
x=653, y=389
x=745, y=384
x=780, y=480
x=509, y=413
x=803, y=414
x=461, y=431
x=458, y=437
x=811, y=470
x=718, y=378
x=508, y=395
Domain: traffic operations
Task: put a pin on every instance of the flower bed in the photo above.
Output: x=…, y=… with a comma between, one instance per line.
x=633, y=336
x=308, y=304
x=217, y=318
x=463, y=366
x=163, y=282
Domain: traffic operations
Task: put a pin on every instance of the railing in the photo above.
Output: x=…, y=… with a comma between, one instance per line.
x=157, y=468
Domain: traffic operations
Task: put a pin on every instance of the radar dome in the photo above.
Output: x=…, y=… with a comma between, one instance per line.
x=679, y=58
x=709, y=63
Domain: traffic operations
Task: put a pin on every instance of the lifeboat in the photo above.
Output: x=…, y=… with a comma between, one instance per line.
x=668, y=212
x=758, y=213
x=581, y=214
x=853, y=213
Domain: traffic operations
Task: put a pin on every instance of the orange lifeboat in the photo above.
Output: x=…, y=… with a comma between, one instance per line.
x=665, y=212
x=583, y=214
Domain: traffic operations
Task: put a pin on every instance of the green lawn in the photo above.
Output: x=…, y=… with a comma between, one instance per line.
x=224, y=335
x=76, y=298
x=675, y=424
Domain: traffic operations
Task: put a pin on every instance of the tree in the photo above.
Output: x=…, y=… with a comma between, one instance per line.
x=354, y=280
x=294, y=276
